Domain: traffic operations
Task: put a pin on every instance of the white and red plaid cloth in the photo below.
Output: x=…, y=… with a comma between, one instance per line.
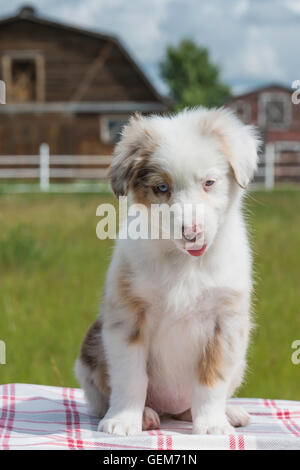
x=42, y=417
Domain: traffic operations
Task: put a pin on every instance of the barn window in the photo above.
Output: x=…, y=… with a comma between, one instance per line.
x=243, y=110
x=274, y=110
x=111, y=126
x=23, y=80
x=24, y=77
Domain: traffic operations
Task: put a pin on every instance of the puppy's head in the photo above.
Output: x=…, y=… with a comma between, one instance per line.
x=195, y=162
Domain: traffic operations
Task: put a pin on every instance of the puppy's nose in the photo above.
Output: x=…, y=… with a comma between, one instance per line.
x=190, y=232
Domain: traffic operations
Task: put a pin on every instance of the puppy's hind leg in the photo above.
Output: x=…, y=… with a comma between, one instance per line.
x=91, y=370
x=97, y=400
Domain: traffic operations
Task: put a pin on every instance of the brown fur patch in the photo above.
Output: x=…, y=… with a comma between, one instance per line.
x=232, y=299
x=102, y=378
x=135, y=305
x=144, y=186
x=92, y=354
x=134, y=149
x=209, y=366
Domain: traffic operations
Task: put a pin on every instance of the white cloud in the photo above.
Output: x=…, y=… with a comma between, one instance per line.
x=252, y=41
x=241, y=7
x=259, y=56
x=293, y=5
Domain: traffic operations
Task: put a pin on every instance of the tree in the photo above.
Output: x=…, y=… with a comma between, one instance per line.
x=192, y=78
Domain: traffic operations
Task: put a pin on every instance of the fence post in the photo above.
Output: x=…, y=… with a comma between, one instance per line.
x=270, y=166
x=44, y=167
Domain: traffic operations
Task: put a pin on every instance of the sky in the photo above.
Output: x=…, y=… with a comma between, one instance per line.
x=254, y=42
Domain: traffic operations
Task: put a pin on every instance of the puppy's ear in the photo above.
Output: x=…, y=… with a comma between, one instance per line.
x=238, y=142
x=242, y=155
x=136, y=145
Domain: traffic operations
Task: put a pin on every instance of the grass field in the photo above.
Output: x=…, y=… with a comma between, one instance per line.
x=52, y=269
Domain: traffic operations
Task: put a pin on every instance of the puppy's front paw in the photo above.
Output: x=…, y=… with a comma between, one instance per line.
x=150, y=419
x=212, y=426
x=237, y=416
x=125, y=425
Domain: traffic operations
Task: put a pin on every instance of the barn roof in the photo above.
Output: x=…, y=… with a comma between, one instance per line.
x=261, y=89
x=28, y=13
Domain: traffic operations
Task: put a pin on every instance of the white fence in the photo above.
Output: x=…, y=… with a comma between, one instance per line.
x=45, y=167
x=275, y=167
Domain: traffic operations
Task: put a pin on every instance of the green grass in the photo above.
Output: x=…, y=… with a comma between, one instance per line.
x=52, y=269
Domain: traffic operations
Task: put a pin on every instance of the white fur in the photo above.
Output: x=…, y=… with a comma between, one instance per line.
x=182, y=291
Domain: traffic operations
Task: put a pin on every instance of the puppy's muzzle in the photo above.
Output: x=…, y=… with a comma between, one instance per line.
x=191, y=232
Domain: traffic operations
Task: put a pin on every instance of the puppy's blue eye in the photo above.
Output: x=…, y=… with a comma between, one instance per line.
x=163, y=188
x=209, y=182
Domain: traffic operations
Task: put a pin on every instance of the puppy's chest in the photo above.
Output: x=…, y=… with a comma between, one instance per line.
x=174, y=294
x=179, y=323
x=175, y=345
x=181, y=311
x=182, y=330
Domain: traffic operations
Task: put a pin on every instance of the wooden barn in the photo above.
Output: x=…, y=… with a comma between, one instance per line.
x=70, y=88
x=274, y=111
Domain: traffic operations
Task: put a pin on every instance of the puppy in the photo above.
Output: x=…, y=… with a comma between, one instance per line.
x=173, y=331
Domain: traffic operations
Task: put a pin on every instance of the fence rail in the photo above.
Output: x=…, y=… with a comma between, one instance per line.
x=280, y=162
x=25, y=160
x=45, y=167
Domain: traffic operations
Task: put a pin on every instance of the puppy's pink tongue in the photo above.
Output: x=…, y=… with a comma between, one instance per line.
x=197, y=252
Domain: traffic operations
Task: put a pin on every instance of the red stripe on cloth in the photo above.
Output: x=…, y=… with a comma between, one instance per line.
x=76, y=417
x=266, y=403
x=160, y=440
x=295, y=427
x=232, y=443
x=61, y=440
x=281, y=414
x=32, y=412
x=281, y=417
x=169, y=443
x=32, y=421
x=90, y=445
x=69, y=428
x=241, y=442
x=10, y=417
x=285, y=415
x=290, y=428
x=4, y=412
x=289, y=414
